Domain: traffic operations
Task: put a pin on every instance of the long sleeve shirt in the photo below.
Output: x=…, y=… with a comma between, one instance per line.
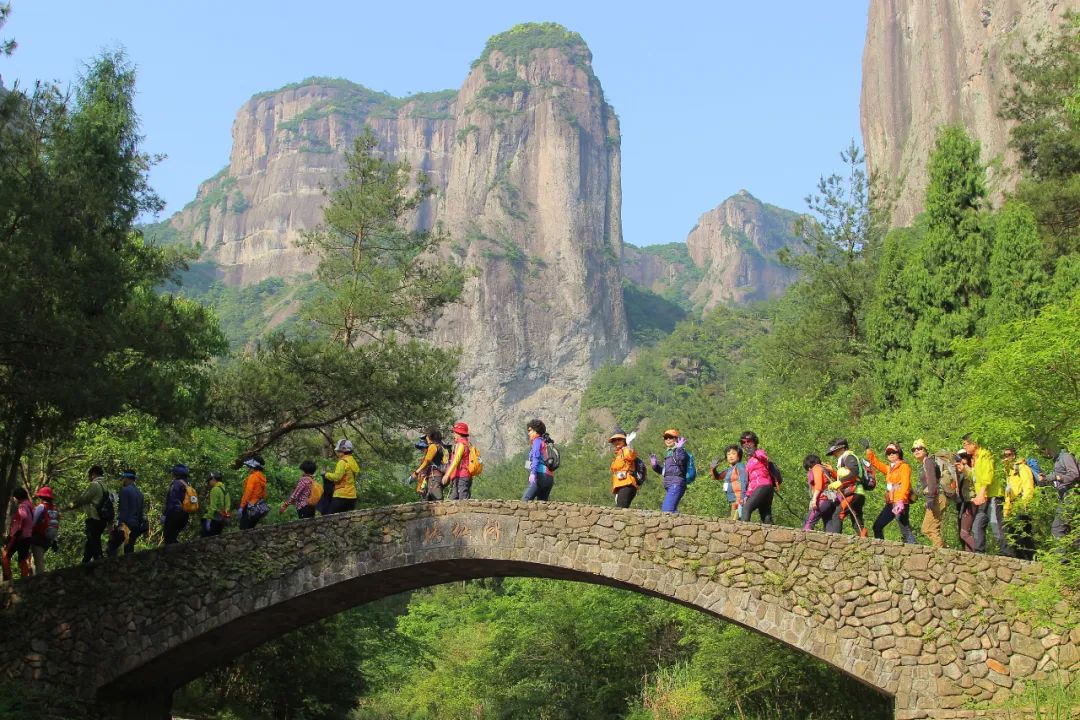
x=132, y=507
x=930, y=477
x=757, y=470
x=22, y=524
x=301, y=494
x=622, y=468
x=90, y=499
x=674, y=465
x=734, y=478
x=174, y=498
x=218, y=503
x=1019, y=488
x=459, y=461
x=897, y=478
x=986, y=479
x=1066, y=470
x=254, y=488
x=343, y=477
x=536, y=457
x=847, y=472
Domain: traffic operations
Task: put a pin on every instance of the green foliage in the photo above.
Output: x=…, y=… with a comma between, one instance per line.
x=356, y=101
x=251, y=312
x=649, y=317
x=84, y=332
x=518, y=42
x=1018, y=281
x=686, y=276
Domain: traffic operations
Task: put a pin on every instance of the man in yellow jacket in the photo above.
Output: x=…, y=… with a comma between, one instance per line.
x=1019, y=492
x=989, y=496
x=344, y=479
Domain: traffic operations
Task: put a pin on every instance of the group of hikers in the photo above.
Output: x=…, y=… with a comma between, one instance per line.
x=967, y=479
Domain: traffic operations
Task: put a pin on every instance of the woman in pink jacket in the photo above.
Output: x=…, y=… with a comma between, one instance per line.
x=760, y=488
x=18, y=542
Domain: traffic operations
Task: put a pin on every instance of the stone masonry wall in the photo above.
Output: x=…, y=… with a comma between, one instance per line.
x=931, y=628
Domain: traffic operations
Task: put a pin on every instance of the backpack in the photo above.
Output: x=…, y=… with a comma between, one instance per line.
x=550, y=454
x=866, y=478
x=775, y=475
x=190, y=502
x=1036, y=469
x=691, y=468
x=48, y=527
x=106, y=507
x=316, y=492
x=948, y=483
x=476, y=465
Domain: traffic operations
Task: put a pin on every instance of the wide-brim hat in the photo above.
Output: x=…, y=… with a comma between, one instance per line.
x=671, y=432
x=253, y=464
x=461, y=428
x=44, y=492
x=618, y=434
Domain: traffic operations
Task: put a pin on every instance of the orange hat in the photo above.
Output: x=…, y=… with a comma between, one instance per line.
x=671, y=432
x=461, y=428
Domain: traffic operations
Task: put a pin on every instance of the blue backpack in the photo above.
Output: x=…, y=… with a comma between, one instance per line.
x=691, y=468
x=1036, y=469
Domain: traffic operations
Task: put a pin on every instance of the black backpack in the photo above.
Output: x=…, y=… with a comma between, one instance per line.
x=106, y=507
x=641, y=471
x=550, y=453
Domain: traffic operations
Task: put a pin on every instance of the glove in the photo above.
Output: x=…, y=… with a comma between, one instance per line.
x=835, y=485
x=532, y=478
x=653, y=460
x=528, y=465
x=898, y=508
x=714, y=464
x=865, y=442
x=680, y=442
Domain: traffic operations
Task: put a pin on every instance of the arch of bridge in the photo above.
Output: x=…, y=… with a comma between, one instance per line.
x=933, y=629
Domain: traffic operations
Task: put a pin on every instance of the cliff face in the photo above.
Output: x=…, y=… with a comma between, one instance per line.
x=931, y=62
x=526, y=161
x=729, y=256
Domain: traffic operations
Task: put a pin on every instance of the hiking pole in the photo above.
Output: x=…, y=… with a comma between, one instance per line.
x=784, y=503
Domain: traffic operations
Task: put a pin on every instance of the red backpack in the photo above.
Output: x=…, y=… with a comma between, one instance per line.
x=48, y=525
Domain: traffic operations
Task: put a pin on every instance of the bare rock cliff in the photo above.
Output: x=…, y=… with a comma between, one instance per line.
x=526, y=160
x=927, y=63
x=730, y=256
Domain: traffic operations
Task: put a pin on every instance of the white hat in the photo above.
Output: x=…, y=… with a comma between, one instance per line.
x=343, y=446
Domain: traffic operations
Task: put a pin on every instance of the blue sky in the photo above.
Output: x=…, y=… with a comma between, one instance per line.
x=713, y=97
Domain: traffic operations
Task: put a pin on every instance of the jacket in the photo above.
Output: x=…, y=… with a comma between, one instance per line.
x=674, y=466
x=90, y=498
x=22, y=524
x=986, y=475
x=429, y=466
x=174, y=498
x=344, y=477
x=897, y=478
x=847, y=473
x=254, y=488
x=218, y=503
x=1019, y=488
x=131, y=510
x=930, y=477
x=536, y=457
x=301, y=494
x=1065, y=466
x=734, y=479
x=622, y=468
x=757, y=471
x=459, y=461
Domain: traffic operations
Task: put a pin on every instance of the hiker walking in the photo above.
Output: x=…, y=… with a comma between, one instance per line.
x=965, y=508
x=344, y=478
x=19, y=533
x=932, y=490
x=733, y=477
x=45, y=528
x=1066, y=478
x=541, y=478
x=175, y=518
x=1019, y=492
x=429, y=476
x=989, y=496
x=253, y=505
x=849, y=486
x=824, y=502
x=624, y=480
x=96, y=501
x=217, y=513
x=897, y=492
x=303, y=495
x=675, y=470
x=760, y=486
x=130, y=516
x=457, y=477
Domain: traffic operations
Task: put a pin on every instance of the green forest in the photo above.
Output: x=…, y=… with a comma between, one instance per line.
x=117, y=351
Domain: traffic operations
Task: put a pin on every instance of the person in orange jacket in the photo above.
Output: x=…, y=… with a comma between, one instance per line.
x=897, y=491
x=624, y=482
x=253, y=507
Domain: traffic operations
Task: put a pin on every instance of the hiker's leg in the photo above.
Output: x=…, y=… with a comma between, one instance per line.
x=884, y=518
x=982, y=519
x=672, y=495
x=904, y=521
x=965, y=512
x=544, y=485
x=624, y=496
x=997, y=525
x=932, y=520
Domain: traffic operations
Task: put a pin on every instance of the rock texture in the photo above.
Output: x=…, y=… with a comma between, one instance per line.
x=731, y=256
x=526, y=160
x=931, y=62
x=933, y=629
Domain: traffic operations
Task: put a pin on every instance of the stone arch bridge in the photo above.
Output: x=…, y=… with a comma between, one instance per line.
x=931, y=629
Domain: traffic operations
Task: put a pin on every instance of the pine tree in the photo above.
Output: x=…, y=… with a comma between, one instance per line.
x=949, y=297
x=1018, y=282
x=891, y=319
